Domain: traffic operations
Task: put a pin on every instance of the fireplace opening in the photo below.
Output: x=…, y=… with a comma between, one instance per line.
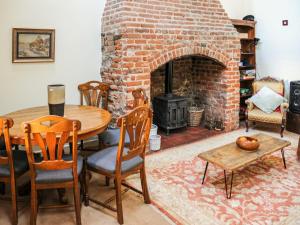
x=184, y=82
x=170, y=111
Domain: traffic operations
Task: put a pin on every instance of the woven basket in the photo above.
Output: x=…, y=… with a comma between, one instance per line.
x=194, y=116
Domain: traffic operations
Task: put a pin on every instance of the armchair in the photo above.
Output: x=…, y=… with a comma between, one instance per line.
x=254, y=114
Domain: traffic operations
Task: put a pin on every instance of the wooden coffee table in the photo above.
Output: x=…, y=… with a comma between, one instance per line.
x=231, y=158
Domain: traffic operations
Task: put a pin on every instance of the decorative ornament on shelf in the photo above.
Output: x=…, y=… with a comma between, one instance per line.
x=256, y=40
x=249, y=17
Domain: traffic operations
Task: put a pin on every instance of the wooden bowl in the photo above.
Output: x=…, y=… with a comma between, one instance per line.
x=247, y=143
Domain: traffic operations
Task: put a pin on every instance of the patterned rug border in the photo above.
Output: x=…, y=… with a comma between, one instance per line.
x=166, y=213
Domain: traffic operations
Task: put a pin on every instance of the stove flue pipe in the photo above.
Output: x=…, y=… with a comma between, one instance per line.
x=169, y=79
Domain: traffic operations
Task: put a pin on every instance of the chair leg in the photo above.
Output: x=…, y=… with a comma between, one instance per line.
x=2, y=188
x=62, y=195
x=33, y=215
x=82, y=187
x=86, y=184
x=107, y=179
x=101, y=145
x=70, y=146
x=14, y=202
x=77, y=203
x=282, y=130
x=81, y=145
x=247, y=124
x=119, y=200
x=146, y=195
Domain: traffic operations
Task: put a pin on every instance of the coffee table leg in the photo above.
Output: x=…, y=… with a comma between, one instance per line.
x=283, y=158
x=225, y=179
x=298, y=150
x=203, y=179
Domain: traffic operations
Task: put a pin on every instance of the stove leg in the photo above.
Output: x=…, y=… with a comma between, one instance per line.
x=167, y=132
x=283, y=158
x=204, y=175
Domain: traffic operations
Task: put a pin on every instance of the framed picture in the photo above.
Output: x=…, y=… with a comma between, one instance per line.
x=33, y=45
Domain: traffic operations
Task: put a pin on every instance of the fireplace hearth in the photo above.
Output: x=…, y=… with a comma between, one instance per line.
x=170, y=111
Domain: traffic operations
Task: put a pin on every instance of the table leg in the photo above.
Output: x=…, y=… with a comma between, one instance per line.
x=298, y=150
x=228, y=196
x=204, y=175
x=283, y=158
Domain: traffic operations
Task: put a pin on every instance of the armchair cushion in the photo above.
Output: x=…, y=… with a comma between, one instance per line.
x=56, y=176
x=106, y=160
x=260, y=116
x=20, y=163
x=267, y=100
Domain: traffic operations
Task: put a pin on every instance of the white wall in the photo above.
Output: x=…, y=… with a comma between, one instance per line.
x=234, y=8
x=278, y=53
x=77, y=24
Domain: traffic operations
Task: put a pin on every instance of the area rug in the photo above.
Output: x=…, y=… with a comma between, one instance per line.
x=263, y=193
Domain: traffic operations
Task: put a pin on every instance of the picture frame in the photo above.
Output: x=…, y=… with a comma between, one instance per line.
x=33, y=45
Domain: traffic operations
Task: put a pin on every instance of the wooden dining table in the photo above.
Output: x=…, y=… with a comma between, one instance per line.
x=93, y=120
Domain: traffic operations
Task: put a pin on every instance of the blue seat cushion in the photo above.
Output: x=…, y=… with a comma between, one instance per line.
x=112, y=137
x=58, y=176
x=106, y=160
x=20, y=163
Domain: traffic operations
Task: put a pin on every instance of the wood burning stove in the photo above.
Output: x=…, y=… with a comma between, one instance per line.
x=170, y=111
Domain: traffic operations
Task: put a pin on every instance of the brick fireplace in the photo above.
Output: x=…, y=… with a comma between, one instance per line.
x=140, y=36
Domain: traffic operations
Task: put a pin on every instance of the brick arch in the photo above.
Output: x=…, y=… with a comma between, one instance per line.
x=207, y=51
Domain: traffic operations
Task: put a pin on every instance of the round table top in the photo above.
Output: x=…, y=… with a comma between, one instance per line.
x=93, y=120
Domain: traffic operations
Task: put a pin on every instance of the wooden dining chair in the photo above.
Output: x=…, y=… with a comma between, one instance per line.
x=118, y=162
x=13, y=164
x=111, y=136
x=139, y=98
x=93, y=93
x=53, y=170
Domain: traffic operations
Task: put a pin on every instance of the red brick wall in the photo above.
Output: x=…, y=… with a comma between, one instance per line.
x=140, y=36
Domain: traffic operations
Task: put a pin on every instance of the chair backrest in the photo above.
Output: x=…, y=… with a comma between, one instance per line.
x=51, y=133
x=275, y=85
x=7, y=158
x=140, y=98
x=137, y=124
x=95, y=93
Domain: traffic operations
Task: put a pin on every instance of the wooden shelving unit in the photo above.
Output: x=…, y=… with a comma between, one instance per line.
x=246, y=30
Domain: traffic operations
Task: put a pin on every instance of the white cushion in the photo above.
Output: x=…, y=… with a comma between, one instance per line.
x=267, y=100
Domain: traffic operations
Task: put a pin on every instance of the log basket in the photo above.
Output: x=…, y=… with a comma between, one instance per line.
x=195, y=116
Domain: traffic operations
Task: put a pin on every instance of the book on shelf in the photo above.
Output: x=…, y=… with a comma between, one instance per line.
x=243, y=35
x=247, y=77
